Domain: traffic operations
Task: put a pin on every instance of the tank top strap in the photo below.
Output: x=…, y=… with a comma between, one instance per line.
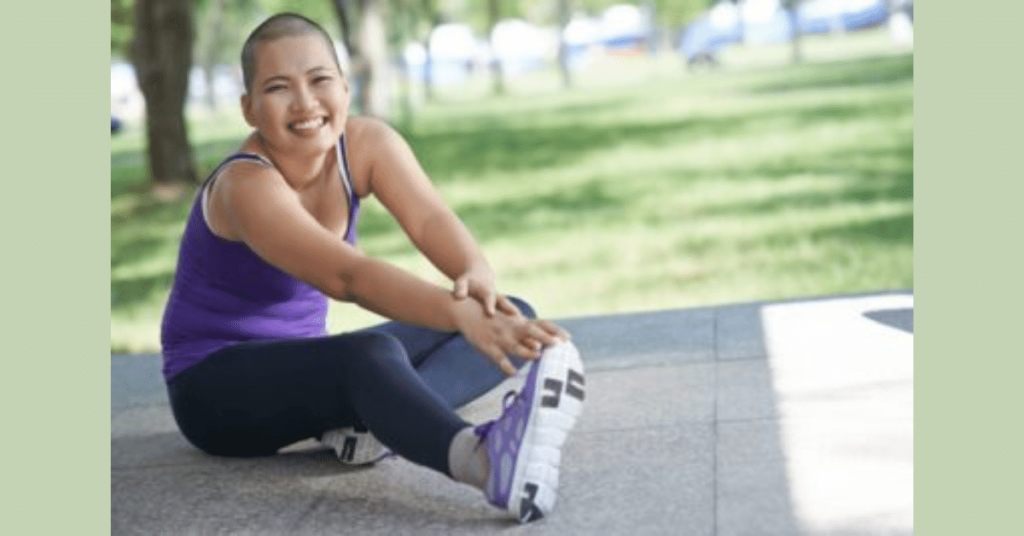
x=252, y=157
x=343, y=169
x=350, y=190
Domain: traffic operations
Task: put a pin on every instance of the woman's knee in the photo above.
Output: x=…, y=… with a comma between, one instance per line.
x=376, y=348
x=523, y=306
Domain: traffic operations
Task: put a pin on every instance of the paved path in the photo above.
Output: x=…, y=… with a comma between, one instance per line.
x=782, y=418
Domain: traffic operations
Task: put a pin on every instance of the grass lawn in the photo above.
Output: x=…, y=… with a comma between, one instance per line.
x=644, y=187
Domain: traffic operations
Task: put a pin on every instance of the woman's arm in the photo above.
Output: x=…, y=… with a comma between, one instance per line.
x=258, y=208
x=398, y=180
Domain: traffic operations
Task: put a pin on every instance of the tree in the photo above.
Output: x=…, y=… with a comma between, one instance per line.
x=434, y=19
x=122, y=20
x=222, y=26
x=162, y=56
x=494, y=16
x=368, y=53
x=564, y=16
x=791, y=7
x=347, y=17
x=211, y=44
x=375, y=95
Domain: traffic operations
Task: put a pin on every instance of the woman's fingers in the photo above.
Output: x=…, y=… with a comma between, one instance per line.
x=482, y=293
x=516, y=335
x=504, y=363
x=461, y=289
x=489, y=299
x=499, y=356
x=546, y=332
x=555, y=330
x=529, y=350
x=506, y=306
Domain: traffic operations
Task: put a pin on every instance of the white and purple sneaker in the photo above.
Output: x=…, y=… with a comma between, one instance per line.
x=355, y=446
x=524, y=444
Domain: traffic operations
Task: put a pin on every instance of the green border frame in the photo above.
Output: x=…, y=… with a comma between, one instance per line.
x=55, y=202
x=967, y=202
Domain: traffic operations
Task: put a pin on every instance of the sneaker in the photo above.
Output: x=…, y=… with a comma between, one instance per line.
x=524, y=444
x=355, y=446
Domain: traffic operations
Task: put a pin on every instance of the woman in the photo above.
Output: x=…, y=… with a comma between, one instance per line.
x=247, y=360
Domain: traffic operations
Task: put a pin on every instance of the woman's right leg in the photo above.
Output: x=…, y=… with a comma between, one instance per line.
x=254, y=398
x=447, y=362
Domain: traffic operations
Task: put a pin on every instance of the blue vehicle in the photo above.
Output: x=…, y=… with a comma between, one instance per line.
x=707, y=35
x=702, y=39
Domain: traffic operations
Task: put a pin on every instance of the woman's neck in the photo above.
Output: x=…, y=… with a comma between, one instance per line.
x=300, y=172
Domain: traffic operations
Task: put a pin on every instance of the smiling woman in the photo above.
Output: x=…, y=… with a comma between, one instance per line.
x=249, y=365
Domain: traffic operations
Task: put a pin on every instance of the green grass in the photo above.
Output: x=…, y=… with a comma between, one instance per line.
x=645, y=187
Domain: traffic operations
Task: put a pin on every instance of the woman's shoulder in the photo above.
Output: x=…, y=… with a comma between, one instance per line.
x=362, y=131
x=248, y=159
x=249, y=167
x=369, y=142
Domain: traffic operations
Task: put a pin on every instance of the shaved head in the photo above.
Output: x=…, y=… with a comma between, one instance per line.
x=276, y=27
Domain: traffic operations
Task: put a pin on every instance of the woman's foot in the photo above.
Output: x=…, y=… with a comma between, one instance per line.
x=355, y=446
x=524, y=444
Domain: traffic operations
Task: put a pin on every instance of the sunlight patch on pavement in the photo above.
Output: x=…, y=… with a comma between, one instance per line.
x=843, y=383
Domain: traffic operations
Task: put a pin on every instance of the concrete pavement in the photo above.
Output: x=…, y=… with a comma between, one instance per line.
x=791, y=417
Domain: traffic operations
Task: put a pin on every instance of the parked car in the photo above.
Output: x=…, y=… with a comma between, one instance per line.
x=725, y=24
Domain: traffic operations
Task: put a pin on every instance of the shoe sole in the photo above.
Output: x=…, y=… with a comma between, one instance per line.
x=556, y=405
x=356, y=448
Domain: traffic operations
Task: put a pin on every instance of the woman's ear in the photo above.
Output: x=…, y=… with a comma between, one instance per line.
x=246, y=103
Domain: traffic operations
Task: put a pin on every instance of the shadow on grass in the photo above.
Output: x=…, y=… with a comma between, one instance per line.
x=129, y=170
x=869, y=175
x=145, y=226
x=540, y=212
x=562, y=107
x=864, y=174
x=516, y=147
x=130, y=292
x=896, y=229
x=869, y=71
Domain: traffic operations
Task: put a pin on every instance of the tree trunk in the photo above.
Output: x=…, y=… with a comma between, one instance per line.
x=791, y=10
x=215, y=24
x=357, y=67
x=650, y=11
x=564, y=15
x=375, y=96
x=494, y=13
x=162, y=56
x=428, y=70
x=428, y=63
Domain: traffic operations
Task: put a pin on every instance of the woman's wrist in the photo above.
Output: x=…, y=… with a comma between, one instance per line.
x=463, y=313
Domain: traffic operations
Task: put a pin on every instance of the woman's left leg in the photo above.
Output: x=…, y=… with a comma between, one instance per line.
x=448, y=364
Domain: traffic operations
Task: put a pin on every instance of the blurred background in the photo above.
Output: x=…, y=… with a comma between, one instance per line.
x=609, y=156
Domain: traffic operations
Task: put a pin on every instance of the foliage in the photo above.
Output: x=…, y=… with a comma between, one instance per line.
x=122, y=19
x=678, y=13
x=222, y=26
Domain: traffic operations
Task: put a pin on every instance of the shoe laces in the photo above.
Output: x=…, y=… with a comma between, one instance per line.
x=508, y=399
x=481, y=430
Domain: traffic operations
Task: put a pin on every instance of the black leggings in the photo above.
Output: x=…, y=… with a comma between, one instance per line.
x=400, y=381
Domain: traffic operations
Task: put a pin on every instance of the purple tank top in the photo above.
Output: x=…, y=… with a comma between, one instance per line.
x=223, y=293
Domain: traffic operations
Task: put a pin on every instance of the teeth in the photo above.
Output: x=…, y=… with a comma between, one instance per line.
x=312, y=123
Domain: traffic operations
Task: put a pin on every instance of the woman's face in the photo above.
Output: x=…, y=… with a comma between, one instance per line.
x=299, y=99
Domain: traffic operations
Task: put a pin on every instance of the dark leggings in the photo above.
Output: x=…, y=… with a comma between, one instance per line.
x=400, y=381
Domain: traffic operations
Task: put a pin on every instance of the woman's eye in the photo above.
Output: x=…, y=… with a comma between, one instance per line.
x=272, y=89
x=321, y=79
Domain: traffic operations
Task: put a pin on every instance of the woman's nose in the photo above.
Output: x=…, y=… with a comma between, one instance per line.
x=304, y=98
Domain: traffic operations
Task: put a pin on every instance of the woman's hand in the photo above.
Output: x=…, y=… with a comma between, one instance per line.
x=478, y=283
x=502, y=334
